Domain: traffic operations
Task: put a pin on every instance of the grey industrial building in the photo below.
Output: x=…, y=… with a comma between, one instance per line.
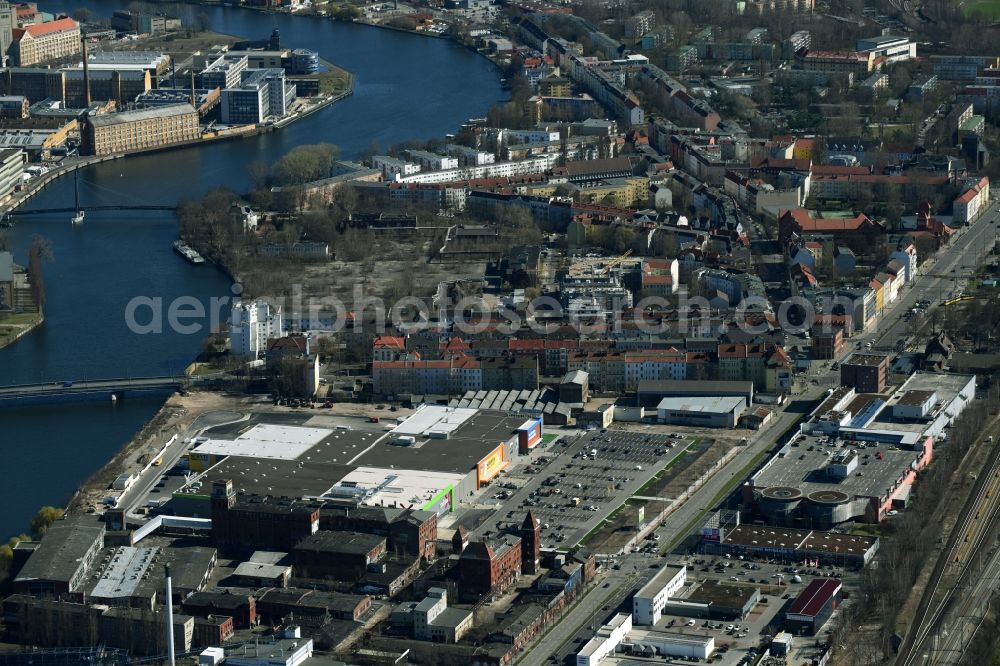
x=651, y=392
x=704, y=412
x=60, y=563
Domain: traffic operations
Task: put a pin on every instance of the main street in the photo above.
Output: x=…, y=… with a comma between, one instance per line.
x=943, y=277
x=934, y=283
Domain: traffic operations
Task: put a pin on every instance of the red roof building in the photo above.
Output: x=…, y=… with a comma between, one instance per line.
x=812, y=608
x=40, y=42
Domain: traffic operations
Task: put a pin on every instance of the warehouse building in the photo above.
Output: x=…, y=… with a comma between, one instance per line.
x=713, y=600
x=813, y=607
x=60, y=563
x=129, y=131
x=705, y=412
x=787, y=544
x=430, y=462
x=650, y=393
x=652, y=642
x=337, y=555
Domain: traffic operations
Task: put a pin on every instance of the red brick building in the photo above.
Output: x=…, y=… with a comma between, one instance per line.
x=241, y=608
x=407, y=531
x=254, y=522
x=866, y=373
x=828, y=345
x=489, y=568
x=531, y=544
x=337, y=555
x=212, y=631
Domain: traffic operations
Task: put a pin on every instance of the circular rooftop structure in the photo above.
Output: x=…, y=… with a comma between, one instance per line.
x=829, y=497
x=781, y=494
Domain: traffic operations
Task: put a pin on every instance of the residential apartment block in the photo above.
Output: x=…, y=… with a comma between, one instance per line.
x=251, y=325
x=971, y=203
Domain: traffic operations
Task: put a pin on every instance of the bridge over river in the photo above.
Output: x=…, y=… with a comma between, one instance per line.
x=95, y=389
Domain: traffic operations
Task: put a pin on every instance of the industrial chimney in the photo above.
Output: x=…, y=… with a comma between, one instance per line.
x=86, y=72
x=170, y=618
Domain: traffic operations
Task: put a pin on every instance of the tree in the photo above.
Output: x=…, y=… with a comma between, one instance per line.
x=346, y=12
x=304, y=164
x=44, y=519
x=40, y=250
x=257, y=170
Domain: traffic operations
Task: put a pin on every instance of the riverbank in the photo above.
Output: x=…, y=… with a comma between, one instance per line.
x=13, y=327
x=69, y=165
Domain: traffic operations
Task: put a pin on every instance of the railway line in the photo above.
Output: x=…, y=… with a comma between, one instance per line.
x=976, y=526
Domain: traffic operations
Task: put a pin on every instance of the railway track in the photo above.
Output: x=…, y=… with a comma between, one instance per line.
x=978, y=522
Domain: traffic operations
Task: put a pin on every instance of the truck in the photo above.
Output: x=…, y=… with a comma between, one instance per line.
x=574, y=501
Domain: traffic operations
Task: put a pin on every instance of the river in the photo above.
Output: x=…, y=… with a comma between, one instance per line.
x=407, y=86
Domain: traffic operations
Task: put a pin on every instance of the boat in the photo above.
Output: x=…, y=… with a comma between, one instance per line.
x=78, y=216
x=188, y=252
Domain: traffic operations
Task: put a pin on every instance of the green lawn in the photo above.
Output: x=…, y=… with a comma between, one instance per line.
x=11, y=325
x=22, y=319
x=989, y=8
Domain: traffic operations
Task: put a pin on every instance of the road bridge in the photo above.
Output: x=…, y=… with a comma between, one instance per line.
x=96, y=389
x=88, y=209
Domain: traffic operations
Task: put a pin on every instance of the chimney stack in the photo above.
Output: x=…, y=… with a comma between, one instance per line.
x=170, y=618
x=86, y=72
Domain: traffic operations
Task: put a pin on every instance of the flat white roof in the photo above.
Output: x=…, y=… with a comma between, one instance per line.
x=662, y=579
x=402, y=486
x=434, y=418
x=719, y=404
x=276, y=442
x=652, y=634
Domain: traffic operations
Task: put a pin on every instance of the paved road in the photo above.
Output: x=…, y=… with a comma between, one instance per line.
x=944, y=277
x=140, y=490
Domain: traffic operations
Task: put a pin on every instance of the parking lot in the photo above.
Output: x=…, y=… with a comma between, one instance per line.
x=573, y=484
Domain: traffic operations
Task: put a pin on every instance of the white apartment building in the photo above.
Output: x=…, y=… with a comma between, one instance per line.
x=907, y=255
x=972, y=202
x=514, y=137
x=539, y=164
x=393, y=168
x=432, y=161
x=648, y=603
x=251, y=325
x=471, y=156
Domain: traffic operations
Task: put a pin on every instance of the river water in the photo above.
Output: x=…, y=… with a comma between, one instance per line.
x=407, y=86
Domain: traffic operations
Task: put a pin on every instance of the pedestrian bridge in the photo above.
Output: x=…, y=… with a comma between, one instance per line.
x=94, y=389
